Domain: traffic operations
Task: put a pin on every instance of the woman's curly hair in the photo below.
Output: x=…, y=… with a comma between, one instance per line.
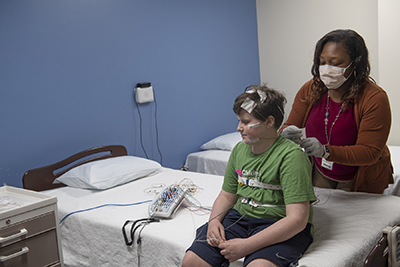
x=358, y=52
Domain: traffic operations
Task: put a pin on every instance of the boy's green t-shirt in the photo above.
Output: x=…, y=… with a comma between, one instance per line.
x=284, y=164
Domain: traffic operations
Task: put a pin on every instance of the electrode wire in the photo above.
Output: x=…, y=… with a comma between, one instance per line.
x=317, y=202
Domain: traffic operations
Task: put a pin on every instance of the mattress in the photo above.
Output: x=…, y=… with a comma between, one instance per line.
x=347, y=225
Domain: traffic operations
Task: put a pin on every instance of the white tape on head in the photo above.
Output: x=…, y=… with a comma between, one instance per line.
x=262, y=95
x=248, y=104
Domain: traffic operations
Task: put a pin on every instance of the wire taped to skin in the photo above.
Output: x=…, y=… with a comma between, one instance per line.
x=253, y=125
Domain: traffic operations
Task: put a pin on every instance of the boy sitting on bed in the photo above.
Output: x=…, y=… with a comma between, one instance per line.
x=263, y=212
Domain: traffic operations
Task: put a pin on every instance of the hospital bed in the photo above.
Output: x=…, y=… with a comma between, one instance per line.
x=93, y=210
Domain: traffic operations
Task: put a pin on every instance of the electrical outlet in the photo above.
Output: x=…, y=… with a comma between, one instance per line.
x=144, y=95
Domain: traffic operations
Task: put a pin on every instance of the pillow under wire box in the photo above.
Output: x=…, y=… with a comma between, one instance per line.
x=29, y=233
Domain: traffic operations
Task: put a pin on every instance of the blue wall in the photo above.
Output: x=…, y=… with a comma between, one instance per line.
x=68, y=69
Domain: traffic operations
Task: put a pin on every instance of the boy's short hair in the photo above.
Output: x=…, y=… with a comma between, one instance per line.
x=273, y=105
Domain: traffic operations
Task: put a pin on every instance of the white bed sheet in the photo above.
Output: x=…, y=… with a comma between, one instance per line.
x=208, y=161
x=347, y=225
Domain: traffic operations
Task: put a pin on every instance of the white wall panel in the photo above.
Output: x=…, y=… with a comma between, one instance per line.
x=288, y=31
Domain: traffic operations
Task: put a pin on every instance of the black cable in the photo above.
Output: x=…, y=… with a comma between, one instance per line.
x=155, y=116
x=134, y=227
x=156, y=126
x=139, y=242
x=140, y=122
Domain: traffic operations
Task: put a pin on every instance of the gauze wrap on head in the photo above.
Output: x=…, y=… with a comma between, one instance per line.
x=248, y=104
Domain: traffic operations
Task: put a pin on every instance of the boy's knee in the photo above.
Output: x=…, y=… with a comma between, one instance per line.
x=188, y=259
x=191, y=259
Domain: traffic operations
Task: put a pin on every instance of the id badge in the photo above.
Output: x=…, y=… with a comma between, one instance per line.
x=327, y=164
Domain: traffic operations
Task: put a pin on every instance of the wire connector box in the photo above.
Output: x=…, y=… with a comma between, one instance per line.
x=144, y=94
x=166, y=203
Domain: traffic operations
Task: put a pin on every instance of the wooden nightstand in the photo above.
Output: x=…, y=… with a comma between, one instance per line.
x=29, y=233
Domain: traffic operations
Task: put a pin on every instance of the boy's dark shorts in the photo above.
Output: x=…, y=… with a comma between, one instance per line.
x=286, y=253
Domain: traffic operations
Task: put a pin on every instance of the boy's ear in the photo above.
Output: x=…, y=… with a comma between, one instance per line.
x=270, y=122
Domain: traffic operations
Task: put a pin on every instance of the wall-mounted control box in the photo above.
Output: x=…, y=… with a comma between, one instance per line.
x=144, y=93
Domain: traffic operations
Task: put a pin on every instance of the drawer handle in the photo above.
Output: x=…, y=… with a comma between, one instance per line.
x=22, y=232
x=23, y=251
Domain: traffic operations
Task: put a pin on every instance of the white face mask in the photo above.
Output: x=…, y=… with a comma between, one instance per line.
x=333, y=77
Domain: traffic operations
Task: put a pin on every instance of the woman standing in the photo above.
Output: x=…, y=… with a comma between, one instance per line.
x=346, y=115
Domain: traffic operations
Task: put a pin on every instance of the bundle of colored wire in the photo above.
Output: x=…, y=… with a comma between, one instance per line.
x=190, y=203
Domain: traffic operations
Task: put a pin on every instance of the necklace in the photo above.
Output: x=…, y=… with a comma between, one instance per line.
x=328, y=138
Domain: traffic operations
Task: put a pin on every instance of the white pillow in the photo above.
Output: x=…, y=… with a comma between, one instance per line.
x=223, y=142
x=106, y=173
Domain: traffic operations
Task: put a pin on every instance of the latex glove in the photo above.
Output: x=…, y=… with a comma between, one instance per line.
x=293, y=133
x=312, y=147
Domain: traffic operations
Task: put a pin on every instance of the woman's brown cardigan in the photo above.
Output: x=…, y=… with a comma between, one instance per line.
x=370, y=153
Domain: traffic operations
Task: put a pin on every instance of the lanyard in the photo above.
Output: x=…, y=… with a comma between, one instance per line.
x=328, y=138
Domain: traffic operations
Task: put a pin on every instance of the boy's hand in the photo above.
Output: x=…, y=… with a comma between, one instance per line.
x=233, y=249
x=215, y=233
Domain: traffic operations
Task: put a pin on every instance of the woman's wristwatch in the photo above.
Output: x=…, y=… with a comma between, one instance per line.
x=327, y=152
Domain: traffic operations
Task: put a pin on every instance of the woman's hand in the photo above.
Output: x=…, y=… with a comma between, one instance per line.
x=293, y=133
x=312, y=147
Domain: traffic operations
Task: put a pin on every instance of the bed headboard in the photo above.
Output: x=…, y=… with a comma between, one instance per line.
x=40, y=179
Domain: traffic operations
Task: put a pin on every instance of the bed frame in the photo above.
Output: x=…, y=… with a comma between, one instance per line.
x=379, y=254
x=40, y=179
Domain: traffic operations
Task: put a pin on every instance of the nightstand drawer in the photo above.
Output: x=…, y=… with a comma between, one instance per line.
x=40, y=250
x=26, y=229
x=29, y=229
